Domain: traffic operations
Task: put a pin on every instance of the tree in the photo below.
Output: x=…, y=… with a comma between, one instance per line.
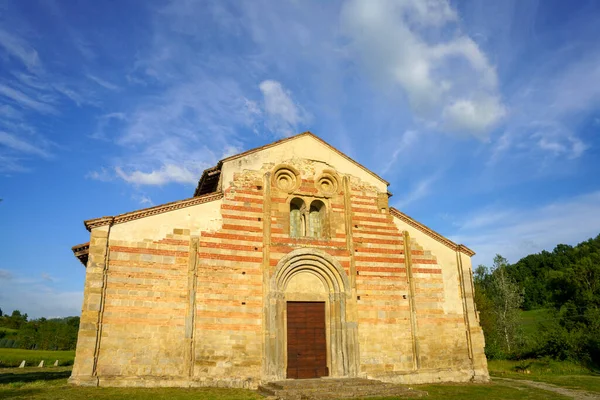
x=507, y=299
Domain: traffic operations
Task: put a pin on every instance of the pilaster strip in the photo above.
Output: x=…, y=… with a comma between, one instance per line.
x=102, y=302
x=411, y=301
x=349, y=237
x=463, y=296
x=266, y=270
x=190, y=328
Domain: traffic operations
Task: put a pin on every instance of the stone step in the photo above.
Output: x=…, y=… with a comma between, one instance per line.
x=329, y=389
x=324, y=382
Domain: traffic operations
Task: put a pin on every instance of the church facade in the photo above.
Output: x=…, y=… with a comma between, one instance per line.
x=287, y=263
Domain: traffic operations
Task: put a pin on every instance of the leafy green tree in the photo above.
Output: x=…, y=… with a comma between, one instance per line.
x=507, y=299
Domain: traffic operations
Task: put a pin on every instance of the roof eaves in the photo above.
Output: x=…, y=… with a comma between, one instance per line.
x=146, y=212
x=81, y=251
x=431, y=233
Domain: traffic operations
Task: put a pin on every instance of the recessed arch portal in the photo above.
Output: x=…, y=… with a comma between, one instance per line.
x=342, y=333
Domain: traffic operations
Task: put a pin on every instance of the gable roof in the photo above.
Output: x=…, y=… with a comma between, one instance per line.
x=210, y=177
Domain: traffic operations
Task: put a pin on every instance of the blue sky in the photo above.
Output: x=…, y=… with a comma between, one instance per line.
x=483, y=116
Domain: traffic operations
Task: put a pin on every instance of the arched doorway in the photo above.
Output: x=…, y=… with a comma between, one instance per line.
x=310, y=275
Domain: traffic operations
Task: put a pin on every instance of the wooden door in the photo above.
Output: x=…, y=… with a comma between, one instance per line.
x=306, y=340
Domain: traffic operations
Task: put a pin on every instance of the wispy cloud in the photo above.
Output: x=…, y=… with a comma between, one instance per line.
x=516, y=232
x=9, y=112
x=5, y=275
x=39, y=299
x=419, y=191
x=20, y=145
x=102, y=175
x=143, y=200
x=548, y=108
x=25, y=101
x=109, y=124
x=19, y=49
x=408, y=139
x=47, y=277
x=105, y=84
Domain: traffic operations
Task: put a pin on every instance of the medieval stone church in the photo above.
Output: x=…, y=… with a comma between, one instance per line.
x=287, y=263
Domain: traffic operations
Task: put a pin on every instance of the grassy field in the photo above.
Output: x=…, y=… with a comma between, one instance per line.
x=7, y=330
x=563, y=373
x=51, y=383
x=13, y=357
x=531, y=319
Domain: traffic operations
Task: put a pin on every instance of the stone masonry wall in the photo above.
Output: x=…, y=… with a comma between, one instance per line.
x=228, y=334
x=187, y=309
x=381, y=283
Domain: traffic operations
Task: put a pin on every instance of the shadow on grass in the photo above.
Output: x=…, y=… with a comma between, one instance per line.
x=33, y=376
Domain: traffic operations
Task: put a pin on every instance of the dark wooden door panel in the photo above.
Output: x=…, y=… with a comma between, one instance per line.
x=307, y=344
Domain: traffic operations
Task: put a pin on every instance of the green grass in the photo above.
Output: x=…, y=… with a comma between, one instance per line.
x=51, y=383
x=7, y=330
x=560, y=373
x=541, y=367
x=531, y=319
x=13, y=357
x=491, y=391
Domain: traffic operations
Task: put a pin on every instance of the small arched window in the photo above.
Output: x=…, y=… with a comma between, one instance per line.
x=317, y=219
x=297, y=218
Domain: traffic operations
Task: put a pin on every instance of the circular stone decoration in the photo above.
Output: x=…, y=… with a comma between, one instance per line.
x=286, y=178
x=327, y=183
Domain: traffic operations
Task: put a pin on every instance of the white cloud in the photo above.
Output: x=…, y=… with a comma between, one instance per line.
x=102, y=175
x=283, y=116
x=25, y=101
x=478, y=116
x=514, y=233
x=391, y=41
x=555, y=138
x=166, y=174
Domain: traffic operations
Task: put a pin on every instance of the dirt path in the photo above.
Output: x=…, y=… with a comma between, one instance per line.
x=572, y=393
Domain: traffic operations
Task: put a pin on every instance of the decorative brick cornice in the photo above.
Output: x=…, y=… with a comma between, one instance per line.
x=146, y=212
x=431, y=233
x=81, y=251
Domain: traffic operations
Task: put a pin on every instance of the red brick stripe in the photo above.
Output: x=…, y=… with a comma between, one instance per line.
x=229, y=257
x=122, y=249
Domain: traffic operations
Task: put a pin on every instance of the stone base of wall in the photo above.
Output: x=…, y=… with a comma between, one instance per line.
x=405, y=378
x=434, y=376
x=83, y=381
x=164, y=381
